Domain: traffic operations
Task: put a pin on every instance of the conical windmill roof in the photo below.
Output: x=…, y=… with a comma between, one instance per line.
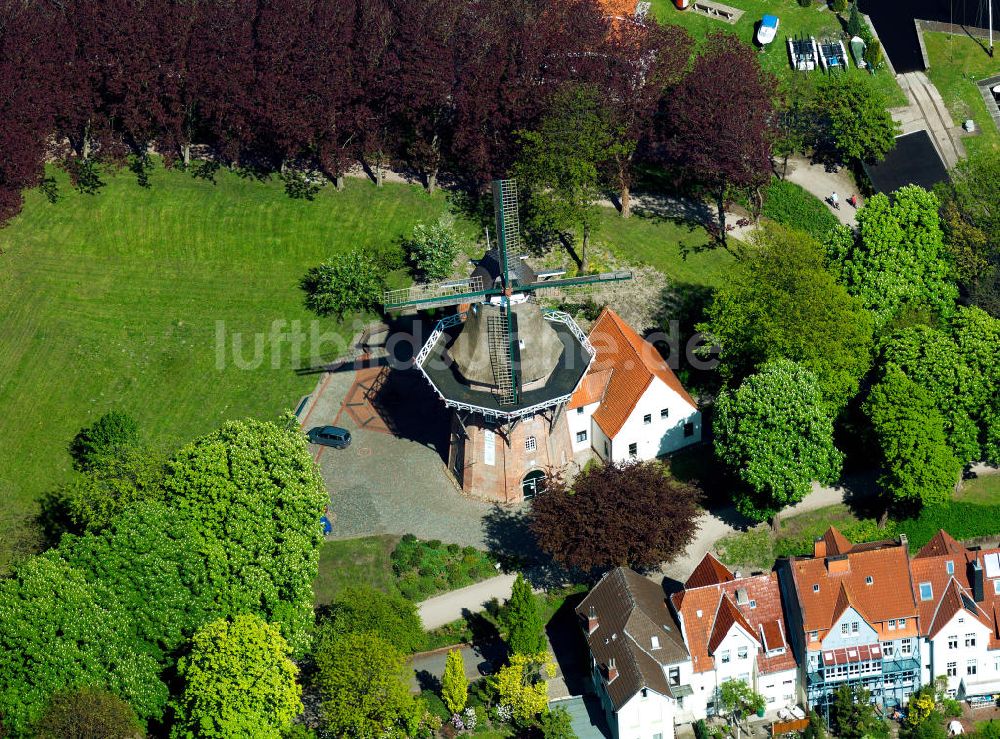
x=540, y=346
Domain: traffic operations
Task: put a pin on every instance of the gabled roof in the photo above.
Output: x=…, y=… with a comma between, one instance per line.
x=636, y=629
x=726, y=617
x=636, y=363
x=709, y=571
x=942, y=543
x=826, y=585
x=955, y=599
x=708, y=612
x=591, y=389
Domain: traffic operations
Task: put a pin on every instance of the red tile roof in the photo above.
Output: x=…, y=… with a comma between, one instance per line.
x=827, y=585
x=941, y=543
x=709, y=571
x=708, y=612
x=635, y=363
x=955, y=599
x=591, y=389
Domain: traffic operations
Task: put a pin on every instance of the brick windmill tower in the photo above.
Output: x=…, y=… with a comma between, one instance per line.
x=502, y=364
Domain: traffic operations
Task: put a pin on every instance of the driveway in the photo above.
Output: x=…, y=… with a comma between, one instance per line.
x=450, y=606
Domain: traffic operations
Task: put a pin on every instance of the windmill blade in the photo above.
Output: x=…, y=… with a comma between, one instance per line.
x=502, y=343
x=452, y=292
x=508, y=223
x=581, y=281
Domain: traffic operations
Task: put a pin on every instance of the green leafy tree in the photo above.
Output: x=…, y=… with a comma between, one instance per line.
x=523, y=686
x=350, y=282
x=918, y=466
x=360, y=608
x=91, y=500
x=970, y=197
x=898, y=260
x=257, y=497
x=362, y=679
x=781, y=302
x=238, y=681
x=153, y=561
x=931, y=359
x=858, y=123
x=776, y=432
x=108, y=436
x=432, y=249
x=977, y=335
x=454, y=683
x=635, y=515
x=88, y=713
x=838, y=6
x=739, y=700
x=853, y=715
x=560, y=167
x=525, y=631
x=556, y=723
x=56, y=635
x=855, y=26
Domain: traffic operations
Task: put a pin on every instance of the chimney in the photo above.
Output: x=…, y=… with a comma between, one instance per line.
x=838, y=564
x=904, y=542
x=612, y=670
x=819, y=547
x=592, y=622
x=976, y=576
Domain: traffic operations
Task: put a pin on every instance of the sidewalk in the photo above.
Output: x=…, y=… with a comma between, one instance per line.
x=448, y=607
x=814, y=179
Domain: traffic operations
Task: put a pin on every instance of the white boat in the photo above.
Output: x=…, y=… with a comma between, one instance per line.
x=767, y=30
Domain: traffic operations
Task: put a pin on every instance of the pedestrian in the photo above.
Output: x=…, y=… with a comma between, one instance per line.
x=853, y=200
x=834, y=202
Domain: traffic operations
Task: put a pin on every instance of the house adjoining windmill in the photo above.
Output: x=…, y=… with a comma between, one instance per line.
x=505, y=366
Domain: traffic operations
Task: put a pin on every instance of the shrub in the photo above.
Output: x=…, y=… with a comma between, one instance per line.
x=838, y=6
x=790, y=205
x=346, y=283
x=700, y=729
x=423, y=568
x=435, y=705
x=432, y=249
x=109, y=435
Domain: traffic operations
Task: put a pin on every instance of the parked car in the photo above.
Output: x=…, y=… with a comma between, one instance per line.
x=333, y=436
x=486, y=668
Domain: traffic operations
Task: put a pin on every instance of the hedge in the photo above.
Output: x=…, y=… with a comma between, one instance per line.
x=423, y=568
x=790, y=205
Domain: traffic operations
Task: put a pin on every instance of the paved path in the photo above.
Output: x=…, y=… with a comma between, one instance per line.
x=927, y=111
x=814, y=179
x=443, y=609
x=428, y=667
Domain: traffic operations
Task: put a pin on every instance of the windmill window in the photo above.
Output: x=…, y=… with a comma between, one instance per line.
x=530, y=444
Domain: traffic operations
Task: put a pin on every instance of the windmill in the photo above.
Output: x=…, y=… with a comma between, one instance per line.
x=502, y=359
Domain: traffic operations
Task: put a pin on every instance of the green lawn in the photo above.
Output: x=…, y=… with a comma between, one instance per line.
x=115, y=300
x=956, y=63
x=816, y=20
x=363, y=561
x=984, y=489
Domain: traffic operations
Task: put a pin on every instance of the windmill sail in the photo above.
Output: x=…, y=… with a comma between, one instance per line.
x=452, y=292
x=508, y=224
x=501, y=341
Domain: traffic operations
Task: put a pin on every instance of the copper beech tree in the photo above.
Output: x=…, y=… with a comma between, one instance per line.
x=630, y=514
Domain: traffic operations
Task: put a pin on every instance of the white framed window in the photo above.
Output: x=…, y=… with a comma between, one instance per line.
x=665, y=413
x=926, y=591
x=854, y=627
x=902, y=623
x=813, y=636
x=888, y=648
x=647, y=419
x=741, y=653
x=724, y=657
x=530, y=444
x=906, y=646
x=816, y=588
x=952, y=669
x=844, y=628
x=655, y=642
x=970, y=640
x=633, y=450
x=753, y=604
x=581, y=435
x=892, y=624
x=970, y=667
x=952, y=642
x=579, y=411
x=869, y=580
x=949, y=567
x=996, y=587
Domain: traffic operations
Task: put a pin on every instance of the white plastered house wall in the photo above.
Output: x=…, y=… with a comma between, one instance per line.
x=646, y=715
x=963, y=641
x=581, y=420
x=778, y=688
x=661, y=435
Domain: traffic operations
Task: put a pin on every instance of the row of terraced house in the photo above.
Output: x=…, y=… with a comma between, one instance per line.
x=868, y=615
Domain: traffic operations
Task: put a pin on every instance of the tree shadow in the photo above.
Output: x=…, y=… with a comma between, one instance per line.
x=569, y=646
x=428, y=681
x=509, y=540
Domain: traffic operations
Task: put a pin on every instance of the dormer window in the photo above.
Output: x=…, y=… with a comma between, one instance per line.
x=655, y=642
x=816, y=588
x=869, y=580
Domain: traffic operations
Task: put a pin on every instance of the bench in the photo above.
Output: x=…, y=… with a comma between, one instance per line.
x=717, y=10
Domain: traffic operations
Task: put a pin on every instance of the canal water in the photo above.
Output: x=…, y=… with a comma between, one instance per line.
x=893, y=20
